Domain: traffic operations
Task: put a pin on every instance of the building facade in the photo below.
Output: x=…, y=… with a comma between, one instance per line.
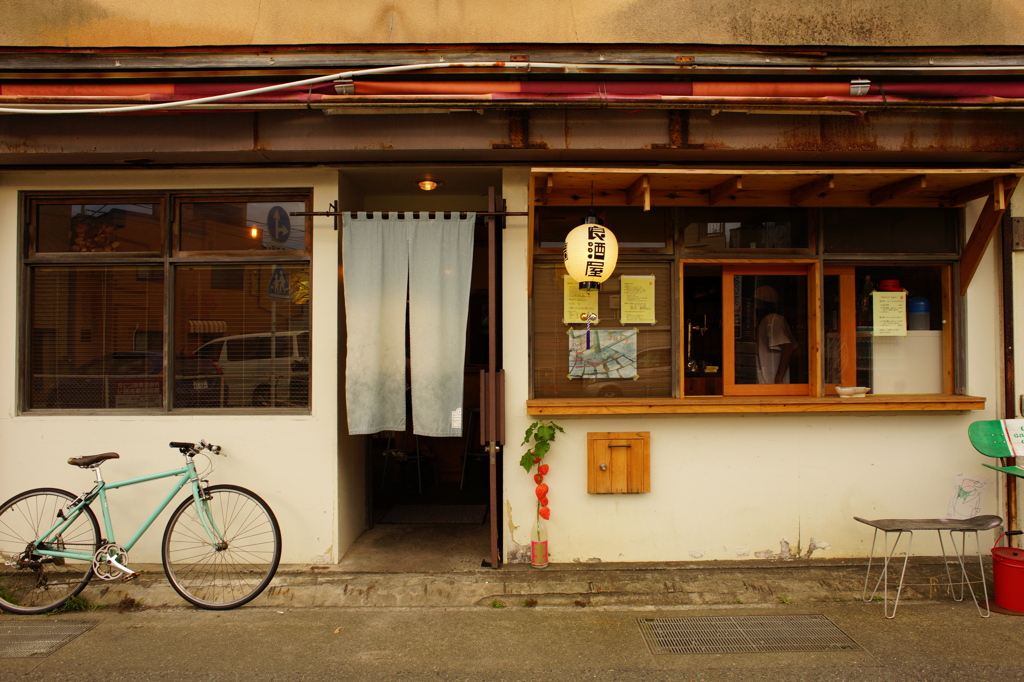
x=185, y=203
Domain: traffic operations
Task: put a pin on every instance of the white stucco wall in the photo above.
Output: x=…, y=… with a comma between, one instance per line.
x=734, y=486
x=289, y=460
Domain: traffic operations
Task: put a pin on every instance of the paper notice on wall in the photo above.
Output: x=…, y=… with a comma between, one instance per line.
x=889, y=313
x=967, y=497
x=637, y=295
x=578, y=303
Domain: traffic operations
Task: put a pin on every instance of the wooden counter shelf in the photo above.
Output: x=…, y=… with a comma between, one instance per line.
x=751, y=404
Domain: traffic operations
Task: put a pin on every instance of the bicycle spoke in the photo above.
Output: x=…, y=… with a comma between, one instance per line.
x=34, y=583
x=224, y=575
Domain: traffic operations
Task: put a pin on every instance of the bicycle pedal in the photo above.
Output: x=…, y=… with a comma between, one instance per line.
x=130, y=575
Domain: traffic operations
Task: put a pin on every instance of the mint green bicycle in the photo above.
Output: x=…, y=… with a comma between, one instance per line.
x=221, y=546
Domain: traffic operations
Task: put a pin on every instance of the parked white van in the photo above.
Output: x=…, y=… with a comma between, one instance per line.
x=264, y=369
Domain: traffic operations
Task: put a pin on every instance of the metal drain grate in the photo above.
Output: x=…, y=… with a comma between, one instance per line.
x=744, y=634
x=26, y=639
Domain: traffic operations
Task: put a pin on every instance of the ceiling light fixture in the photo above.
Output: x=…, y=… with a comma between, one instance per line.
x=428, y=183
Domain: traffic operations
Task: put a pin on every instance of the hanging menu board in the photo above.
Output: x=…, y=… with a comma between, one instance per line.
x=637, y=299
x=889, y=313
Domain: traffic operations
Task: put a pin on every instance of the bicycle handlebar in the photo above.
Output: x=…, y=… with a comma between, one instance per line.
x=196, y=448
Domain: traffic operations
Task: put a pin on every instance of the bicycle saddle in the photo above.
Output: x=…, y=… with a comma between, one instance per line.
x=92, y=460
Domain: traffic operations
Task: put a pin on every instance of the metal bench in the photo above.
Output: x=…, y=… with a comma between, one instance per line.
x=908, y=526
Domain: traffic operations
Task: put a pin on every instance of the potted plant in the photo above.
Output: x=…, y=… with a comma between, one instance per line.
x=539, y=437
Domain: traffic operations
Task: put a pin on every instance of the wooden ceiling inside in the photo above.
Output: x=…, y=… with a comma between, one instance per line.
x=769, y=187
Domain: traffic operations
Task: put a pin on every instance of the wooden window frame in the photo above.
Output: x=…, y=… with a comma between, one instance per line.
x=812, y=354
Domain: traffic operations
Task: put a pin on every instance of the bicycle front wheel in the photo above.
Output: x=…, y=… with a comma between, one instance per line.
x=236, y=568
x=30, y=582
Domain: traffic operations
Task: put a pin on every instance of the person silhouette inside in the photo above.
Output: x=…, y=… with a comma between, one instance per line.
x=776, y=344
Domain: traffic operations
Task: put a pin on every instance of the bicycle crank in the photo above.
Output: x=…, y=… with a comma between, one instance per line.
x=109, y=563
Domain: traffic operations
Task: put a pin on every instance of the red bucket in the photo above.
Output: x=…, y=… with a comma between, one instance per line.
x=1008, y=577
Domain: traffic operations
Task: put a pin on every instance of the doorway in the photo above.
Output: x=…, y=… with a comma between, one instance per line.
x=429, y=499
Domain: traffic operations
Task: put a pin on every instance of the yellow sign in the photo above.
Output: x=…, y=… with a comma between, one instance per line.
x=889, y=313
x=578, y=303
x=637, y=299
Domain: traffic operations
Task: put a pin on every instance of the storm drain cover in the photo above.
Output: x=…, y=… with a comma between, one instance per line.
x=744, y=634
x=25, y=639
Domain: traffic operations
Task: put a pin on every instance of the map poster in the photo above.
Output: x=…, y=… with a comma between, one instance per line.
x=612, y=354
x=577, y=303
x=637, y=299
x=889, y=313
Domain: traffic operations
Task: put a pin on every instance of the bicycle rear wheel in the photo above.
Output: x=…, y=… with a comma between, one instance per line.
x=31, y=583
x=234, y=572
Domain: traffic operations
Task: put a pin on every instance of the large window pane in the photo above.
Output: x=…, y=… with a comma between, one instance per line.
x=596, y=373
x=728, y=229
x=242, y=226
x=99, y=228
x=890, y=230
x=89, y=337
x=770, y=328
x=910, y=363
x=252, y=323
x=636, y=231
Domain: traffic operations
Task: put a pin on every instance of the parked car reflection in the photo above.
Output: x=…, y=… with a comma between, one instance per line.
x=134, y=379
x=654, y=367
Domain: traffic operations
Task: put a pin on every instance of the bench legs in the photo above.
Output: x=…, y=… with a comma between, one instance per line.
x=888, y=553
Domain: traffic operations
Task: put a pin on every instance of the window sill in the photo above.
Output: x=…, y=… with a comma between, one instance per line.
x=543, y=407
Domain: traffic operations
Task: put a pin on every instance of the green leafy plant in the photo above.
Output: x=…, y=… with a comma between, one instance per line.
x=539, y=437
x=542, y=434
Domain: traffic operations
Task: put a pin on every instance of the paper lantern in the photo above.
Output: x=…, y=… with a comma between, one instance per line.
x=591, y=252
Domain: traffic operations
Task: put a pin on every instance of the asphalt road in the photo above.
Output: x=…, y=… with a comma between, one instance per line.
x=926, y=641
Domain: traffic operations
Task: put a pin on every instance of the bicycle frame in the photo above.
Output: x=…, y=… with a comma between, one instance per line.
x=186, y=473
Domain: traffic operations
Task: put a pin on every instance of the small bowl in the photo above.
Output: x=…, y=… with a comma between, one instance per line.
x=852, y=391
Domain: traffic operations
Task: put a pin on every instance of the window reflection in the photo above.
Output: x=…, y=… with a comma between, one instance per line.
x=242, y=226
x=254, y=333
x=99, y=228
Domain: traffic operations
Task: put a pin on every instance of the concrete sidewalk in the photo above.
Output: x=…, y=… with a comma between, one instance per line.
x=666, y=584
x=927, y=640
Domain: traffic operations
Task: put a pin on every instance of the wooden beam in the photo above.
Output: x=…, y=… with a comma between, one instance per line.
x=982, y=235
x=815, y=188
x=641, y=186
x=959, y=197
x=549, y=187
x=886, y=193
x=724, y=189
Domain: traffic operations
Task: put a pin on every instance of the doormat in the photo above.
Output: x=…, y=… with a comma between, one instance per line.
x=31, y=639
x=435, y=513
x=744, y=634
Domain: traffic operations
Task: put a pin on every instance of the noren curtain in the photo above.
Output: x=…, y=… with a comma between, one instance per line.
x=387, y=262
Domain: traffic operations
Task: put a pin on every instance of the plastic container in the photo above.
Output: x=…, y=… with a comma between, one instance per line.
x=1008, y=576
x=889, y=285
x=919, y=313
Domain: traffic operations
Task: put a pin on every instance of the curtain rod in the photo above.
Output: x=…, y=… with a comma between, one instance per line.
x=402, y=213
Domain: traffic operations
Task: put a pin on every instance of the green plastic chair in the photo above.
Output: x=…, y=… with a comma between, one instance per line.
x=989, y=439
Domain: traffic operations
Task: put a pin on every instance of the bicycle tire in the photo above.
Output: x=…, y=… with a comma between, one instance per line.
x=222, y=578
x=44, y=584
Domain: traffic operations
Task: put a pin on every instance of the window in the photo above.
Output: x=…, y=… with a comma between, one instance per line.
x=125, y=290
x=767, y=303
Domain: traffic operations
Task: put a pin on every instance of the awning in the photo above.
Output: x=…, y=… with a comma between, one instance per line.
x=207, y=327
x=809, y=187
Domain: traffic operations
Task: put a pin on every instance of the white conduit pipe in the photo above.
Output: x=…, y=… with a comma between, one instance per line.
x=308, y=81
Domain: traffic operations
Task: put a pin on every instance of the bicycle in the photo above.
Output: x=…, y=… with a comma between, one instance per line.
x=220, y=549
